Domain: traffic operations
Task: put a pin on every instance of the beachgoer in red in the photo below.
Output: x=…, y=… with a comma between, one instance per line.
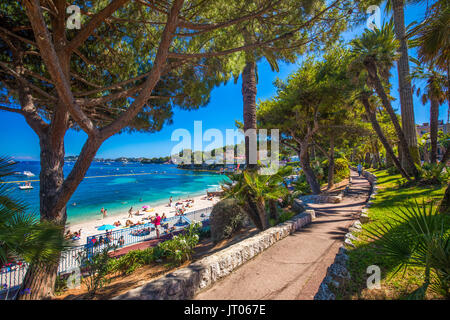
x=157, y=222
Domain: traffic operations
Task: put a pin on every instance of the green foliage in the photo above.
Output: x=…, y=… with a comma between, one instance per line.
x=393, y=170
x=227, y=217
x=319, y=172
x=131, y=261
x=60, y=285
x=235, y=224
x=285, y=216
x=205, y=232
x=434, y=174
x=181, y=247
x=98, y=268
x=417, y=236
x=301, y=186
x=341, y=170
x=22, y=235
x=367, y=252
x=252, y=191
x=378, y=45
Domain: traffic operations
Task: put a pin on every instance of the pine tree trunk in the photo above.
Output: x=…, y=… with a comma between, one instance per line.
x=406, y=98
x=306, y=167
x=376, y=126
x=434, y=115
x=40, y=279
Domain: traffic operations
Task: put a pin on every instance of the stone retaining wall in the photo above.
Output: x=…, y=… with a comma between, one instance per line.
x=185, y=283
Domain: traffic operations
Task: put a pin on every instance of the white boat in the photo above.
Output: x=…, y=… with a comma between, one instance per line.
x=25, y=187
x=28, y=174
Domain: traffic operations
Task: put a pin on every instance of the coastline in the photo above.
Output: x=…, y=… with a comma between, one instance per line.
x=89, y=227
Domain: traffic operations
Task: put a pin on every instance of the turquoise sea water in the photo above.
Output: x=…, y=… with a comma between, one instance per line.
x=117, y=187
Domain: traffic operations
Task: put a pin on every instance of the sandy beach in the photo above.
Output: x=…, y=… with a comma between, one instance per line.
x=89, y=228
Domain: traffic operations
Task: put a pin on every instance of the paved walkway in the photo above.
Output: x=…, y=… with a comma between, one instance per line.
x=294, y=267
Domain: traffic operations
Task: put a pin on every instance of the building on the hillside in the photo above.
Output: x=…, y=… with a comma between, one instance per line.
x=425, y=128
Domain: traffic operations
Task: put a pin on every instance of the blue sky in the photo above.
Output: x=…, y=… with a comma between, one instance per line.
x=225, y=106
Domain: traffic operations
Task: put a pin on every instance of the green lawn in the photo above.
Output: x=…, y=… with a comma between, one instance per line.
x=385, y=205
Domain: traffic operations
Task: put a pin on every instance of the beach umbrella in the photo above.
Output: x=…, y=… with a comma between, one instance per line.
x=106, y=227
x=145, y=207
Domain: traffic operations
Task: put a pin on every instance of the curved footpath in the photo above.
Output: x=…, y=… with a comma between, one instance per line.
x=294, y=267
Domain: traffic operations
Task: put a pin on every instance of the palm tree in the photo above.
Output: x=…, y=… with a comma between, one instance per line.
x=432, y=35
x=22, y=236
x=249, y=76
x=417, y=236
x=364, y=97
x=254, y=191
x=375, y=52
x=404, y=81
x=436, y=92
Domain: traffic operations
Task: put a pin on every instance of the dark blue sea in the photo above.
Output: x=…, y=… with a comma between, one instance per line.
x=117, y=186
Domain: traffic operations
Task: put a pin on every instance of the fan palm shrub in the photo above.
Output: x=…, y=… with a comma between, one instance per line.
x=22, y=236
x=418, y=236
x=254, y=192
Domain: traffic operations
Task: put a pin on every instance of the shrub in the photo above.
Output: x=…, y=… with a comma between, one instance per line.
x=227, y=217
x=393, y=170
x=129, y=262
x=301, y=186
x=205, y=232
x=341, y=170
x=97, y=267
x=418, y=236
x=181, y=247
x=285, y=216
x=433, y=174
x=60, y=285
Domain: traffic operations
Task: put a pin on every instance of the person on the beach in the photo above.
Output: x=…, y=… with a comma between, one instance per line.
x=103, y=212
x=157, y=223
x=359, y=168
x=130, y=213
x=170, y=201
